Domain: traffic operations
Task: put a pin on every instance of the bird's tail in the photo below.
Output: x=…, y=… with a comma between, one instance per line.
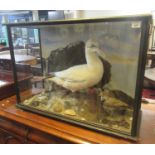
x=49, y=75
x=56, y=80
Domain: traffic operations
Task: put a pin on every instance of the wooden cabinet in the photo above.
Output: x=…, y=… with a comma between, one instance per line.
x=23, y=127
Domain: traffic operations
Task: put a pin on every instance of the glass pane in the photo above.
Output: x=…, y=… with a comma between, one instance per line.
x=27, y=57
x=86, y=72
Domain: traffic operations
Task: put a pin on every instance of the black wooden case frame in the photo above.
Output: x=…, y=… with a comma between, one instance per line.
x=145, y=27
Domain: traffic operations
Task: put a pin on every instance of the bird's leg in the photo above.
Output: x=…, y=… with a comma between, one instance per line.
x=96, y=103
x=91, y=91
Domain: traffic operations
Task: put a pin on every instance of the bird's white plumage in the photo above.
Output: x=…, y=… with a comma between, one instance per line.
x=82, y=76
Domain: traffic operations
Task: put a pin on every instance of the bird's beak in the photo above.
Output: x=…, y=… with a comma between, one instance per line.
x=101, y=53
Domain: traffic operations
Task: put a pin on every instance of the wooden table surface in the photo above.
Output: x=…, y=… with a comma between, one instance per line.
x=73, y=133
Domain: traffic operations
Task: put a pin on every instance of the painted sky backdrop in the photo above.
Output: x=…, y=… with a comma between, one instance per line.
x=120, y=41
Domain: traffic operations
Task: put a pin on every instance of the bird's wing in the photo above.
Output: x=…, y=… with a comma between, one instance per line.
x=77, y=73
x=70, y=85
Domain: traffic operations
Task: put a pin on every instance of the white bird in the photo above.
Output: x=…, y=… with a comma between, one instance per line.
x=83, y=76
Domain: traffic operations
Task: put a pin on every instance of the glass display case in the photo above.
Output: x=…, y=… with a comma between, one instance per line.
x=91, y=72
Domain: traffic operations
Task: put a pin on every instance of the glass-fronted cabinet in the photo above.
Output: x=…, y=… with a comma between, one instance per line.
x=91, y=72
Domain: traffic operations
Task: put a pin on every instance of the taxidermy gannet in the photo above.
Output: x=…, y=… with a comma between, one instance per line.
x=82, y=76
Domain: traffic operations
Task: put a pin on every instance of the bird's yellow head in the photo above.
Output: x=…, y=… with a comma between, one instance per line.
x=92, y=46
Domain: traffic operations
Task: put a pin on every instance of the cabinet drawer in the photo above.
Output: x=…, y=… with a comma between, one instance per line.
x=15, y=133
